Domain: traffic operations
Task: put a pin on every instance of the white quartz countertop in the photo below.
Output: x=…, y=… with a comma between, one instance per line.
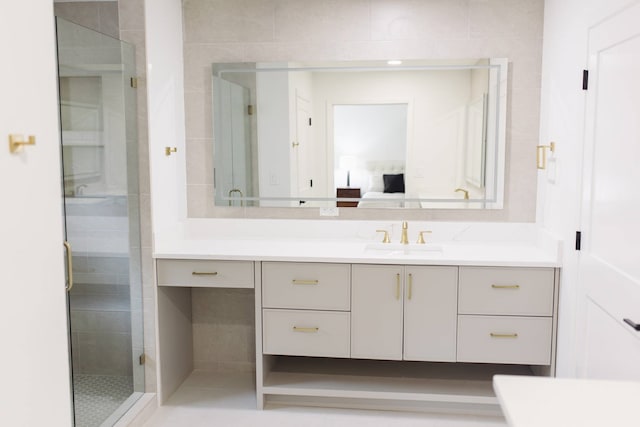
x=482, y=244
x=561, y=402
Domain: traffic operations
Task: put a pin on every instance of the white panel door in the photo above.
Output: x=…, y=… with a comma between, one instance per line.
x=610, y=261
x=430, y=313
x=376, y=312
x=304, y=157
x=34, y=362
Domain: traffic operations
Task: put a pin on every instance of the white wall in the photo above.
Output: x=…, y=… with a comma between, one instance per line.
x=566, y=28
x=34, y=361
x=368, y=132
x=166, y=111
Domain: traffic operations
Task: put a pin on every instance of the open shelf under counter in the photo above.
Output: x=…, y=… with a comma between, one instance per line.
x=385, y=385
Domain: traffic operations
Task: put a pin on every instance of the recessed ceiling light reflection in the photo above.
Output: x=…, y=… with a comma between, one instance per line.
x=394, y=62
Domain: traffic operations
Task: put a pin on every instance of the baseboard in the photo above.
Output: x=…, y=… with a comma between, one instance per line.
x=140, y=412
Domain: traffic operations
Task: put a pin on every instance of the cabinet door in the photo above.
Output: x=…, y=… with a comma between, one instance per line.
x=430, y=313
x=376, y=312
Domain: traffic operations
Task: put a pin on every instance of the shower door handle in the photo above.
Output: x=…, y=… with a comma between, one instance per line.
x=69, y=283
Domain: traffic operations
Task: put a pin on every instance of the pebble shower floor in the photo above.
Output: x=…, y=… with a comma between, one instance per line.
x=98, y=396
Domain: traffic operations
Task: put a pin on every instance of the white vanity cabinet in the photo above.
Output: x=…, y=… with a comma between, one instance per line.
x=505, y=315
x=306, y=309
x=393, y=336
x=404, y=312
x=371, y=335
x=205, y=273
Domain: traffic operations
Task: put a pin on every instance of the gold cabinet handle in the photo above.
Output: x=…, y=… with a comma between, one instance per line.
x=398, y=286
x=204, y=273
x=505, y=286
x=67, y=246
x=17, y=141
x=305, y=330
x=410, y=290
x=304, y=282
x=386, y=238
x=421, y=237
x=169, y=150
x=494, y=335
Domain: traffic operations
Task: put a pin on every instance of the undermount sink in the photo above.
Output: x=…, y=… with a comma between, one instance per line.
x=400, y=248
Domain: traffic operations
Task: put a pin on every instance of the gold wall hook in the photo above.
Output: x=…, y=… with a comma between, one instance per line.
x=169, y=150
x=541, y=154
x=16, y=141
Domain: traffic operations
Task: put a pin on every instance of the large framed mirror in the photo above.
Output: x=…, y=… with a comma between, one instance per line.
x=366, y=134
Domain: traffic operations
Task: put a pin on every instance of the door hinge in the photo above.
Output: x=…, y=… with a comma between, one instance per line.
x=585, y=79
x=309, y=121
x=134, y=82
x=142, y=359
x=250, y=110
x=578, y=240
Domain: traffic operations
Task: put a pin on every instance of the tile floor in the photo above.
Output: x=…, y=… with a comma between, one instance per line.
x=229, y=401
x=96, y=397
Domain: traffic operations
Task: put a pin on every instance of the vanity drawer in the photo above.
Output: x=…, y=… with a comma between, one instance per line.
x=510, y=291
x=205, y=273
x=306, y=286
x=504, y=339
x=306, y=333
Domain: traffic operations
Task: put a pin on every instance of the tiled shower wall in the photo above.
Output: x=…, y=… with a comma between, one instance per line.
x=125, y=20
x=132, y=30
x=101, y=16
x=282, y=30
x=100, y=316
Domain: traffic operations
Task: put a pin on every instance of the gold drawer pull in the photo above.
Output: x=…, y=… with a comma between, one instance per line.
x=503, y=335
x=304, y=282
x=204, y=273
x=505, y=286
x=306, y=330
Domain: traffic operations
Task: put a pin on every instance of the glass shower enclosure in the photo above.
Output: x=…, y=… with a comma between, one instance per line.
x=101, y=207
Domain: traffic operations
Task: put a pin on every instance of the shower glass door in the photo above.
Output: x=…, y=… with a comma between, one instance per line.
x=100, y=179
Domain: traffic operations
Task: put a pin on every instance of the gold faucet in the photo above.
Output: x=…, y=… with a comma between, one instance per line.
x=386, y=238
x=404, y=239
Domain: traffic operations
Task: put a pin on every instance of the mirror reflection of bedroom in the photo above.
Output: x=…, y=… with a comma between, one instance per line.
x=370, y=147
x=423, y=136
